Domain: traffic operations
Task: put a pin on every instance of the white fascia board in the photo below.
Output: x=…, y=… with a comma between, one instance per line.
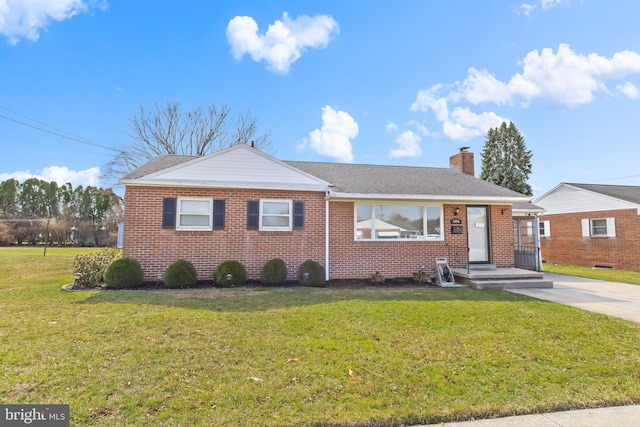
x=225, y=185
x=528, y=211
x=562, y=184
x=429, y=197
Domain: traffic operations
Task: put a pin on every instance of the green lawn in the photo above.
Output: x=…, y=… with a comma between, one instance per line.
x=622, y=276
x=287, y=357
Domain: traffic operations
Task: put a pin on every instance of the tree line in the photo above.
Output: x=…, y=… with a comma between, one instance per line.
x=36, y=211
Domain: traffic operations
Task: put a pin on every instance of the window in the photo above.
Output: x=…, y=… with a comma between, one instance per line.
x=275, y=215
x=545, y=229
x=406, y=222
x=194, y=214
x=599, y=227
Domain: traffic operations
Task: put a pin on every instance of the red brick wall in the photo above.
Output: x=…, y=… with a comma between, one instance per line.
x=358, y=259
x=501, y=236
x=567, y=246
x=155, y=248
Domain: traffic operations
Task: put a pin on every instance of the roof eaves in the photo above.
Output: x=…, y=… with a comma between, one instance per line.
x=431, y=197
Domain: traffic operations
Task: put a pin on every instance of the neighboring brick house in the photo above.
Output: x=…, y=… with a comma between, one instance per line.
x=591, y=225
x=354, y=219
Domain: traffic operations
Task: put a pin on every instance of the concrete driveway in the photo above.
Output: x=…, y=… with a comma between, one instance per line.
x=615, y=299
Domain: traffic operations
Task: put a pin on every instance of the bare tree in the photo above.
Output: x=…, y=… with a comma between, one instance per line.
x=167, y=129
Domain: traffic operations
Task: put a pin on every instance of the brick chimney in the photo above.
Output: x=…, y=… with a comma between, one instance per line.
x=462, y=161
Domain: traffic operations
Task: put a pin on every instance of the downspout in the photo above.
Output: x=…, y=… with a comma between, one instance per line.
x=326, y=236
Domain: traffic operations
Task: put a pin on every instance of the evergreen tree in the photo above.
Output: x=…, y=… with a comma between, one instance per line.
x=506, y=160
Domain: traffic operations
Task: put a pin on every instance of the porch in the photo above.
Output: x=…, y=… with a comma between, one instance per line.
x=488, y=276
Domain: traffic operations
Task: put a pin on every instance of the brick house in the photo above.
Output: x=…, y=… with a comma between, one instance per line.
x=591, y=225
x=354, y=219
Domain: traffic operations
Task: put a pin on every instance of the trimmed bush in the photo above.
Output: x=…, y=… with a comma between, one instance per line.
x=90, y=267
x=235, y=268
x=180, y=274
x=124, y=273
x=316, y=274
x=274, y=272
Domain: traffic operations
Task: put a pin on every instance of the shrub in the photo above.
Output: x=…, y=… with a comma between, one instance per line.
x=235, y=268
x=274, y=272
x=315, y=274
x=180, y=274
x=124, y=273
x=90, y=267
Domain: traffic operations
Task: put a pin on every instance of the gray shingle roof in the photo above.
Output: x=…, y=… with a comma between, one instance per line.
x=408, y=180
x=365, y=179
x=629, y=193
x=157, y=164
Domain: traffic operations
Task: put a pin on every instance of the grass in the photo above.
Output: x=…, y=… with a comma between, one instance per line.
x=289, y=357
x=621, y=276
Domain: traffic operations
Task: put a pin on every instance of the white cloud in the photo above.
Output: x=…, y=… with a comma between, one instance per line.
x=333, y=139
x=428, y=100
x=463, y=124
x=25, y=18
x=528, y=8
x=629, y=90
x=391, y=127
x=548, y=4
x=564, y=78
x=409, y=143
x=59, y=174
x=525, y=9
x=284, y=41
x=420, y=127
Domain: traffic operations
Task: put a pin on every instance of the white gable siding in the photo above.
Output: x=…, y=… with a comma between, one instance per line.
x=567, y=199
x=241, y=167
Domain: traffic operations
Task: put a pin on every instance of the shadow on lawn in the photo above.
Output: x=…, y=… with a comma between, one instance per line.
x=262, y=299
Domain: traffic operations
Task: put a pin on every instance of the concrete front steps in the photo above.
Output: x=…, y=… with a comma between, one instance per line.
x=489, y=277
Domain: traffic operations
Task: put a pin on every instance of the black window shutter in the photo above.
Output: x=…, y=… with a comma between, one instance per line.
x=218, y=213
x=253, y=215
x=169, y=212
x=298, y=214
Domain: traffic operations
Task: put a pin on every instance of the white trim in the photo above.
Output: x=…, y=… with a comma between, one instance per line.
x=611, y=227
x=547, y=229
x=425, y=198
x=586, y=227
x=221, y=184
x=179, y=213
x=276, y=228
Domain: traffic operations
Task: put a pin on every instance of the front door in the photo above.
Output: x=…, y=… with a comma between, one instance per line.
x=478, y=234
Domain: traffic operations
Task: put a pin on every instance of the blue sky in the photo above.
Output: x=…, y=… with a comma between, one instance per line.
x=403, y=82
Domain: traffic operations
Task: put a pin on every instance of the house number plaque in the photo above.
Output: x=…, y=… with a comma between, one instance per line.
x=456, y=221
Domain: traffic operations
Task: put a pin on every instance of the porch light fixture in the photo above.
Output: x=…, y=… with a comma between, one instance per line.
x=456, y=211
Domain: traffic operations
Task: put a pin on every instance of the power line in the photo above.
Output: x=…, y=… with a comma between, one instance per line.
x=613, y=179
x=56, y=133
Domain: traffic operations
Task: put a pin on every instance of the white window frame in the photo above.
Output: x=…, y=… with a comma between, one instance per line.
x=180, y=212
x=587, y=227
x=373, y=205
x=289, y=227
x=545, y=229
